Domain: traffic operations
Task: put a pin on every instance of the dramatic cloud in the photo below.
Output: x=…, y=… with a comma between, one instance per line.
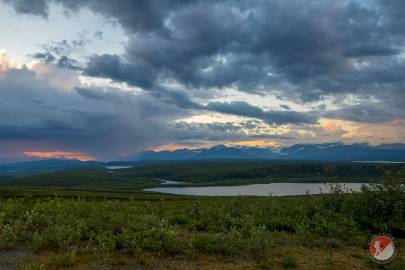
x=59, y=154
x=44, y=119
x=100, y=122
x=271, y=117
x=304, y=50
x=335, y=60
x=39, y=7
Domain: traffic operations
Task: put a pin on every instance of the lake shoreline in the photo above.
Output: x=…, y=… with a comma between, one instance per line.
x=272, y=189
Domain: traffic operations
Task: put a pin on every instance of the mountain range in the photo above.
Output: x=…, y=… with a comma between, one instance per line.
x=327, y=151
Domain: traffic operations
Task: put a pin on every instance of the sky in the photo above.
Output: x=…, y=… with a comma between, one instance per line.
x=102, y=79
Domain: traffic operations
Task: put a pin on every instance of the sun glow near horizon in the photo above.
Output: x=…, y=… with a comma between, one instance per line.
x=59, y=155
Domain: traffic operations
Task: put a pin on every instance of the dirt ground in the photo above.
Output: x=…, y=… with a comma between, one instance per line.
x=278, y=258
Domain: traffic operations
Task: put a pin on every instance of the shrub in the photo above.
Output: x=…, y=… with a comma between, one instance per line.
x=264, y=265
x=289, y=262
x=259, y=241
x=33, y=266
x=156, y=235
x=381, y=207
x=227, y=244
x=7, y=236
x=144, y=260
x=61, y=260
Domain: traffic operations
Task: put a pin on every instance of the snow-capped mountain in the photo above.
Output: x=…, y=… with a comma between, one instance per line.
x=327, y=151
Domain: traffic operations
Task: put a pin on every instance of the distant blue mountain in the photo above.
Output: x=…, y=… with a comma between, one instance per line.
x=216, y=152
x=328, y=151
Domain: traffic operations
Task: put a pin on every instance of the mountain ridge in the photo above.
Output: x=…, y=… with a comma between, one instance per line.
x=336, y=151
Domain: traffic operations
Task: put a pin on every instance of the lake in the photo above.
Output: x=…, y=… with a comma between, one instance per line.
x=272, y=189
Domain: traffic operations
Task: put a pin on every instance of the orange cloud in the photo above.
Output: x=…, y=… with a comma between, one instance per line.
x=341, y=128
x=172, y=147
x=254, y=143
x=251, y=143
x=5, y=61
x=375, y=133
x=60, y=154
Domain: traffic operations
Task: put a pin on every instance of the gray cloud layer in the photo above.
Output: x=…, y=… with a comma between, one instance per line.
x=104, y=122
x=178, y=50
x=271, y=117
x=304, y=50
x=98, y=122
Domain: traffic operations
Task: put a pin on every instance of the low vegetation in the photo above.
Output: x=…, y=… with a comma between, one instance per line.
x=205, y=173
x=261, y=232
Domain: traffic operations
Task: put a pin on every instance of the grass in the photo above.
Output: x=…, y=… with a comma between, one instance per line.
x=289, y=262
x=89, y=229
x=242, y=230
x=204, y=173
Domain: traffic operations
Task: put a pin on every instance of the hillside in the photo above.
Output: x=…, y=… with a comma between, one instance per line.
x=206, y=172
x=43, y=166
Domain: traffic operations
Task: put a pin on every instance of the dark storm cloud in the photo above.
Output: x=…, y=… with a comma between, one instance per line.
x=203, y=132
x=370, y=113
x=112, y=66
x=370, y=50
x=102, y=122
x=38, y=7
x=194, y=133
x=178, y=98
x=65, y=47
x=272, y=117
x=300, y=50
x=62, y=62
x=140, y=15
x=59, y=53
x=68, y=63
x=44, y=57
x=304, y=50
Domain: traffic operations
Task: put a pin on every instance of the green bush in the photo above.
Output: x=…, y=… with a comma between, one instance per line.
x=33, y=266
x=381, y=207
x=289, y=262
x=7, y=236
